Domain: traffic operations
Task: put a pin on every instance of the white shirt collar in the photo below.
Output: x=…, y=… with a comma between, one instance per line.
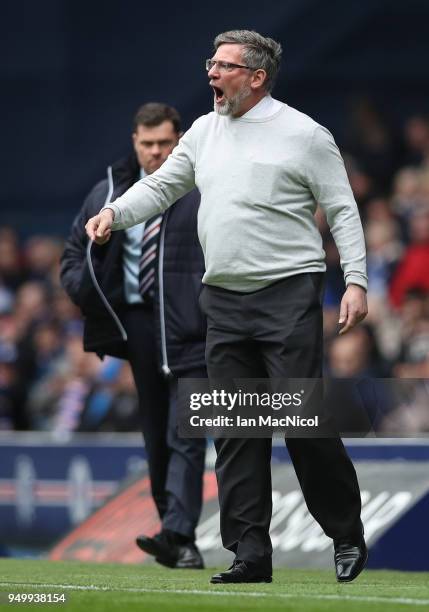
x=264, y=108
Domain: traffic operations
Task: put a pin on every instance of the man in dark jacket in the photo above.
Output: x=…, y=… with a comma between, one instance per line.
x=139, y=297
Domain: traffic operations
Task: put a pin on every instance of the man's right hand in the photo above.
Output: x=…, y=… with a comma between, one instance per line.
x=98, y=227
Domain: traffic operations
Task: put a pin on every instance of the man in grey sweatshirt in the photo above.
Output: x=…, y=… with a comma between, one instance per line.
x=261, y=168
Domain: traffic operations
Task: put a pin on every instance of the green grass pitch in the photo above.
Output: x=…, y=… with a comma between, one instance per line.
x=108, y=587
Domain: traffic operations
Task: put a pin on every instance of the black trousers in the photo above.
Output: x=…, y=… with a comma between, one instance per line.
x=276, y=332
x=176, y=465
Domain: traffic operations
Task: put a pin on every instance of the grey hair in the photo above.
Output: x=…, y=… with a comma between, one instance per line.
x=259, y=52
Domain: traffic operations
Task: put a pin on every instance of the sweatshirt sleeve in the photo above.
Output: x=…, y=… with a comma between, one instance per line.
x=156, y=192
x=327, y=178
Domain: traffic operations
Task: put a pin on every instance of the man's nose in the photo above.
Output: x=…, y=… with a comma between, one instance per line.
x=213, y=72
x=156, y=149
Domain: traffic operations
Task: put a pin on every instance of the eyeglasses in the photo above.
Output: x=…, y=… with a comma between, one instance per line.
x=224, y=66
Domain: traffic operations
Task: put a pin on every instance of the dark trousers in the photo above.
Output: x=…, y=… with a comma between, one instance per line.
x=176, y=465
x=275, y=332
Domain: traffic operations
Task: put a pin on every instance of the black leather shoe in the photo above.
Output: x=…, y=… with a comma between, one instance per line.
x=350, y=558
x=170, y=554
x=188, y=557
x=242, y=571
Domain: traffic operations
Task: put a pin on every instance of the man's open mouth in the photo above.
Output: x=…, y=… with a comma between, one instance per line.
x=218, y=94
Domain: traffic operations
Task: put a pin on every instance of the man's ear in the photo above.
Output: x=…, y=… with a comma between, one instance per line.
x=134, y=138
x=258, y=78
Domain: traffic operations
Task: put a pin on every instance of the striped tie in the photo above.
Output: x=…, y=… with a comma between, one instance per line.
x=148, y=257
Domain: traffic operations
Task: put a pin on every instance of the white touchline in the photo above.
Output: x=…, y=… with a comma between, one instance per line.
x=94, y=587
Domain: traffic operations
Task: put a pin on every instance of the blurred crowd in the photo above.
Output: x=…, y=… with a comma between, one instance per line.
x=48, y=383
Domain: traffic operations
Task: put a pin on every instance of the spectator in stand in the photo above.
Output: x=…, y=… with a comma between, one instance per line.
x=47, y=344
x=423, y=192
x=113, y=406
x=42, y=260
x=372, y=142
x=412, y=415
x=406, y=197
x=12, y=397
x=7, y=298
x=58, y=399
x=416, y=140
x=413, y=351
x=123, y=413
x=361, y=183
x=379, y=209
x=11, y=269
x=355, y=355
x=412, y=271
x=384, y=251
x=62, y=308
x=31, y=305
x=414, y=307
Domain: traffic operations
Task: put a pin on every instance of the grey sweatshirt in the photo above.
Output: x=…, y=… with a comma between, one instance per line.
x=260, y=181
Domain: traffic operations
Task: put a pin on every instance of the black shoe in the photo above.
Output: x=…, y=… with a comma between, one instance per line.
x=170, y=554
x=242, y=571
x=188, y=557
x=159, y=547
x=350, y=558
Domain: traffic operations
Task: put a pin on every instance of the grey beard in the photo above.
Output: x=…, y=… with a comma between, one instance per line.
x=231, y=106
x=223, y=109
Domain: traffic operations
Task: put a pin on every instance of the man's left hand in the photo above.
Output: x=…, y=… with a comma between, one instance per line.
x=353, y=309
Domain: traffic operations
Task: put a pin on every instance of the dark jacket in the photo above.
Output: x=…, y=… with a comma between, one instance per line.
x=181, y=327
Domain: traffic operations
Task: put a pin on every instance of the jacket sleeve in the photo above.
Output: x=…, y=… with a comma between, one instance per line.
x=73, y=260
